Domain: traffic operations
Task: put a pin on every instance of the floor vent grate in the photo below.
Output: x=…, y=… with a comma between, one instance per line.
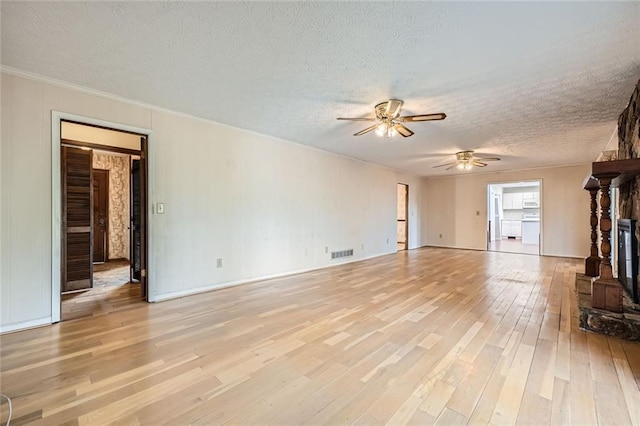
x=341, y=254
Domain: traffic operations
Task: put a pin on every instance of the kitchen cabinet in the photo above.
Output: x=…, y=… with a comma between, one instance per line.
x=512, y=201
x=507, y=201
x=511, y=228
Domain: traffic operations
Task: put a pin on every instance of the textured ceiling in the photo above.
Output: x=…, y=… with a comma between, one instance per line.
x=537, y=84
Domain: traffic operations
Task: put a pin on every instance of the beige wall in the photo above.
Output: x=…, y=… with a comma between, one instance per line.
x=457, y=209
x=265, y=206
x=118, y=166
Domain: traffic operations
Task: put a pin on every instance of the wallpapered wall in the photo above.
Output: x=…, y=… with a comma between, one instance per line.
x=118, y=166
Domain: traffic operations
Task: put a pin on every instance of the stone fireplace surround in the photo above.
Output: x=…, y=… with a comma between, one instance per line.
x=624, y=324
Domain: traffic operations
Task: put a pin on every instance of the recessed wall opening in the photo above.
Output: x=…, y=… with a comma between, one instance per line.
x=103, y=220
x=514, y=219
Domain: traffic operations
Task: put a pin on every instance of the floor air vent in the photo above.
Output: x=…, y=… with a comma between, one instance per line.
x=341, y=254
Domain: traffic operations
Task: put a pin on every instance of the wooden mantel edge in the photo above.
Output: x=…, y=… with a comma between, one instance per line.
x=590, y=183
x=618, y=170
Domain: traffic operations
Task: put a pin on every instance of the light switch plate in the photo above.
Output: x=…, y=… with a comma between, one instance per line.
x=160, y=208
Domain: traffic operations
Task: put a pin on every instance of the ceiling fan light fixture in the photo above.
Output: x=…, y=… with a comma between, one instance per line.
x=382, y=129
x=465, y=161
x=387, y=114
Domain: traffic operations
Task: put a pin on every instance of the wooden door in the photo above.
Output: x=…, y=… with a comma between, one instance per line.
x=100, y=215
x=136, y=237
x=139, y=218
x=77, y=220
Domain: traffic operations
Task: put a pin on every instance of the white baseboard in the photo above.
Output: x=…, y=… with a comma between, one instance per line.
x=19, y=326
x=219, y=286
x=455, y=247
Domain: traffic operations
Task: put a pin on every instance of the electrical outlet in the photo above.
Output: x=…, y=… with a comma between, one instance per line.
x=218, y=263
x=160, y=208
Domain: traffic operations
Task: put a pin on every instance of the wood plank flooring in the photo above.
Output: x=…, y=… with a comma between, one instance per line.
x=429, y=336
x=101, y=300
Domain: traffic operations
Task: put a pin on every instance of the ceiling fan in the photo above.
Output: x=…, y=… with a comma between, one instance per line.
x=465, y=160
x=388, y=121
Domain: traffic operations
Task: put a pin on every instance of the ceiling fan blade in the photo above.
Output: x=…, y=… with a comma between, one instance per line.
x=393, y=108
x=423, y=117
x=403, y=130
x=451, y=166
x=487, y=158
x=479, y=164
x=367, y=130
x=447, y=164
x=357, y=119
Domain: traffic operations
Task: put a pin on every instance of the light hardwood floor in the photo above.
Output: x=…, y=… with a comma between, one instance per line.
x=429, y=336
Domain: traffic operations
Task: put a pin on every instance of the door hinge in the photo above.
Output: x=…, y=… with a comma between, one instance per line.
x=143, y=273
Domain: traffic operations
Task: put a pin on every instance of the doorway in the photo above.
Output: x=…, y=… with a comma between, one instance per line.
x=103, y=224
x=402, y=217
x=514, y=220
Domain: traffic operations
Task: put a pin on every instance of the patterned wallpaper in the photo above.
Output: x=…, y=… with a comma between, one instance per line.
x=118, y=166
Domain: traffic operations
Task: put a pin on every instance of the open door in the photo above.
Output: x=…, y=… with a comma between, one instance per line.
x=139, y=219
x=77, y=219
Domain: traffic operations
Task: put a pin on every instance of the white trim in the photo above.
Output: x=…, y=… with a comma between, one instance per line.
x=219, y=286
x=56, y=206
x=56, y=216
x=23, y=325
x=454, y=247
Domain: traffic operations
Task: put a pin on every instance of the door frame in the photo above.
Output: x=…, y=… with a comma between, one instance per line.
x=406, y=215
x=541, y=181
x=56, y=199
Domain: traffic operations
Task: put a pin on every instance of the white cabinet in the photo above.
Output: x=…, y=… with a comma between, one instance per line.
x=511, y=228
x=512, y=201
x=507, y=201
x=515, y=200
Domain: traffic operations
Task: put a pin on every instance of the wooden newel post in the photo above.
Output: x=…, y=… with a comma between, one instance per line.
x=606, y=292
x=592, y=263
x=605, y=228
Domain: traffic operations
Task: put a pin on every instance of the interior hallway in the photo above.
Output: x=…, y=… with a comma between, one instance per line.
x=420, y=336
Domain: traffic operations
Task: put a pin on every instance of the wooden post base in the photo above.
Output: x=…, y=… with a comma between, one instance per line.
x=606, y=294
x=592, y=266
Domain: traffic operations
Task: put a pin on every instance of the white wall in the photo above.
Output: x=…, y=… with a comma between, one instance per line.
x=263, y=205
x=457, y=209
